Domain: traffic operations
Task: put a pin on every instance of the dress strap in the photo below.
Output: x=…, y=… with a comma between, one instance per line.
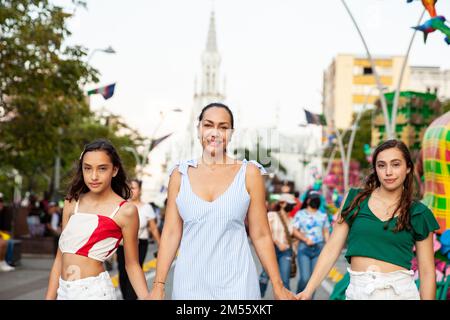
x=183, y=166
x=117, y=209
x=257, y=164
x=76, y=206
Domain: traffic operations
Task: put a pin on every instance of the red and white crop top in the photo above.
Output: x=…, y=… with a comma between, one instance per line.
x=91, y=235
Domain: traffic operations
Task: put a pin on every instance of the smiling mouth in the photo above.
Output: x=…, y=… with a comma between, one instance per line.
x=214, y=143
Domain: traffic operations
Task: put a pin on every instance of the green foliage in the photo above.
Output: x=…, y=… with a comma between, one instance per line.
x=446, y=106
x=363, y=136
x=41, y=90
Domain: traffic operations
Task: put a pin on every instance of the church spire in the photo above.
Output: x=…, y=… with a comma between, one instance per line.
x=211, y=44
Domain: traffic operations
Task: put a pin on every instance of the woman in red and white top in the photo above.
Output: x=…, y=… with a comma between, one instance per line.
x=96, y=218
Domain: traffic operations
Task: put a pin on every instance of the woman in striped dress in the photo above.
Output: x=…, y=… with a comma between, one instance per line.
x=208, y=201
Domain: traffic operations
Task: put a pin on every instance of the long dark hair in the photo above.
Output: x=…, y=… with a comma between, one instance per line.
x=119, y=182
x=217, y=105
x=372, y=182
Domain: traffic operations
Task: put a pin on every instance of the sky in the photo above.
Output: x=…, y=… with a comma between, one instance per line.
x=273, y=52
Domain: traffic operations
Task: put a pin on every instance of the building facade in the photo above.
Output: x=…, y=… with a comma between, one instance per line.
x=349, y=84
x=430, y=80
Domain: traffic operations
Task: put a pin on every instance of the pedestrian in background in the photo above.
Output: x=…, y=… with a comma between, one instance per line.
x=283, y=233
x=147, y=222
x=314, y=230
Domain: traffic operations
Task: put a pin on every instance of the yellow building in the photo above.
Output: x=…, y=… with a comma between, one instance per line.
x=349, y=81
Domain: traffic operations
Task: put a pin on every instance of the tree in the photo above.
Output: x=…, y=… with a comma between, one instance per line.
x=446, y=106
x=41, y=90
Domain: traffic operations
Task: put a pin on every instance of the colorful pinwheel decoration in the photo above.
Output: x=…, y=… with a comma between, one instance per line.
x=430, y=5
x=436, y=23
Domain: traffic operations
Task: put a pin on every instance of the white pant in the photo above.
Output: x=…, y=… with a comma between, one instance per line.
x=370, y=285
x=91, y=288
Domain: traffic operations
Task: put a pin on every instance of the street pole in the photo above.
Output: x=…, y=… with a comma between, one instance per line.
x=106, y=50
x=346, y=156
x=136, y=158
x=400, y=80
x=109, y=50
x=355, y=126
x=57, y=172
x=142, y=161
x=389, y=131
x=327, y=170
x=339, y=138
x=344, y=159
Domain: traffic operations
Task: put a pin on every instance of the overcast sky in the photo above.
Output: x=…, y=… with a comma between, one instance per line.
x=273, y=52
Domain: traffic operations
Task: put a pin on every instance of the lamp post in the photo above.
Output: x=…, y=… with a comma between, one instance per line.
x=57, y=169
x=355, y=124
x=346, y=156
x=109, y=50
x=389, y=131
x=141, y=160
x=105, y=50
x=399, y=84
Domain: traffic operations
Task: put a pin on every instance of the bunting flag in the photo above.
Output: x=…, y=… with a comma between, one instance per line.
x=314, y=118
x=158, y=141
x=107, y=91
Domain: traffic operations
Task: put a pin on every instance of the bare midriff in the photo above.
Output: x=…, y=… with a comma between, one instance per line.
x=75, y=267
x=363, y=264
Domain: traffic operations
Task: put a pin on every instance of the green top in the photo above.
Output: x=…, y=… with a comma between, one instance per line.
x=368, y=238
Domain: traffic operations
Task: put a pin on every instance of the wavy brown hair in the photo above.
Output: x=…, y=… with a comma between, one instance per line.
x=118, y=183
x=372, y=182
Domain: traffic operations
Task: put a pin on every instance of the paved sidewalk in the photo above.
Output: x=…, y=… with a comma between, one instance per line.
x=29, y=280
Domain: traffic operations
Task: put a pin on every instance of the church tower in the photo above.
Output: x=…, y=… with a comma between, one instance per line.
x=209, y=89
x=210, y=85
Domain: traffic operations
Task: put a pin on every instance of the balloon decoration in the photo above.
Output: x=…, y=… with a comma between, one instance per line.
x=435, y=23
x=368, y=152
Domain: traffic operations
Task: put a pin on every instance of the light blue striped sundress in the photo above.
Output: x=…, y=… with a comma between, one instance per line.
x=214, y=260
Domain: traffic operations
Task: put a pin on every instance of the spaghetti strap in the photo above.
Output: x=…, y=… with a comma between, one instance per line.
x=117, y=209
x=76, y=207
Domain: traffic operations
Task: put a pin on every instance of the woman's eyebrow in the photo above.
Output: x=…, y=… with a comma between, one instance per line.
x=100, y=165
x=223, y=122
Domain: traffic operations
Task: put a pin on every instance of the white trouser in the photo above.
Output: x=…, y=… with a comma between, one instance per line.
x=91, y=288
x=370, y=285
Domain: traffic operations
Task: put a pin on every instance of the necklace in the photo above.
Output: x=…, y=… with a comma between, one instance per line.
x=386, y=205
x=214, y=166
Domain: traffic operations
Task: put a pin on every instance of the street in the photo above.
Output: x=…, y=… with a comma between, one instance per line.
x=29, y=280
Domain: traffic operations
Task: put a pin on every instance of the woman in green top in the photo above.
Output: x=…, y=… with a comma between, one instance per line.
x=381, y=224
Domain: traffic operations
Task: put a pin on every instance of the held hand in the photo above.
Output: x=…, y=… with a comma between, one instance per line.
x=157, y=293
x=304, y=295
x=282, y=293
x=283, y=246
x=309, y=242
